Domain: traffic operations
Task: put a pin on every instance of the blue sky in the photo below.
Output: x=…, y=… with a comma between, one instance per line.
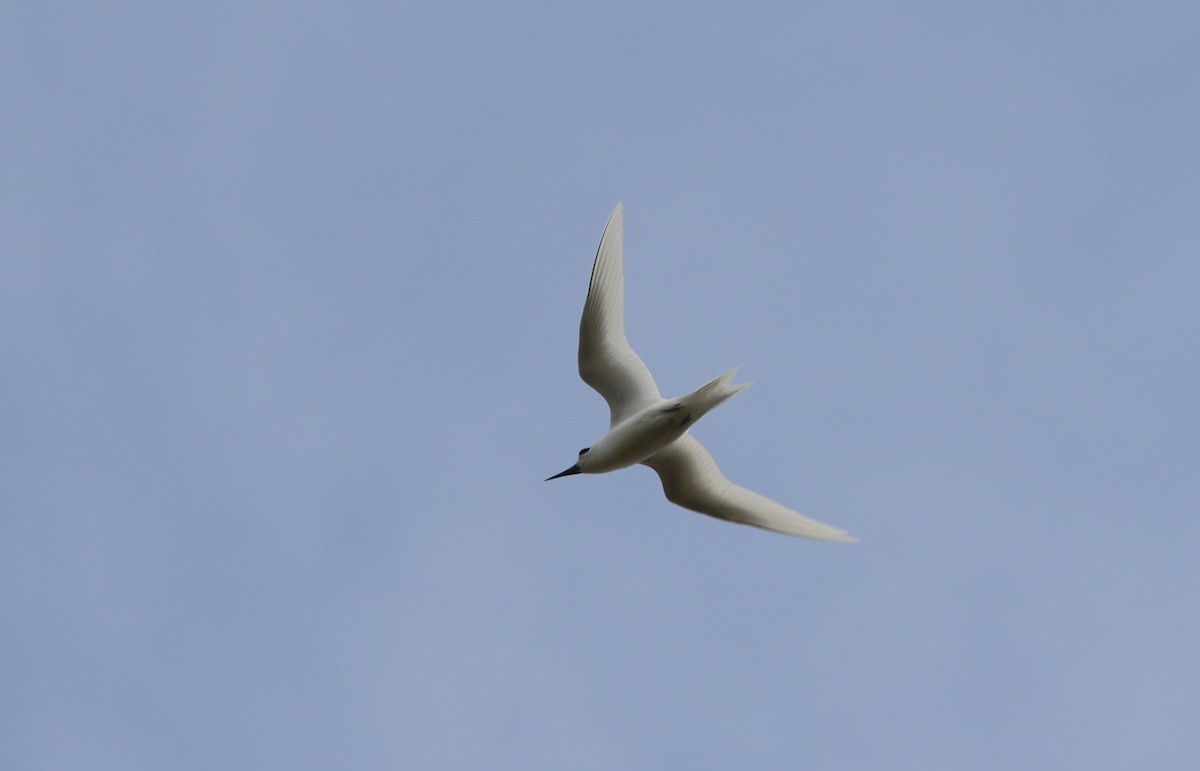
x=289, y=296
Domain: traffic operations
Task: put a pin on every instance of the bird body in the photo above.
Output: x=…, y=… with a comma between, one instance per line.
x=648, y=429
x=644, y=433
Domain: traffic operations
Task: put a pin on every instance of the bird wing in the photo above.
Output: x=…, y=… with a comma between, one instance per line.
x=606, y=361
x=691, y=479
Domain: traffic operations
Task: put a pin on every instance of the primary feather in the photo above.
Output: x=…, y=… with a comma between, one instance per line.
x=606, y=360
x=691, y=479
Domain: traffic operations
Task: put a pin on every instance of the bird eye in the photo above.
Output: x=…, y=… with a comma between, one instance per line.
x=585, y=449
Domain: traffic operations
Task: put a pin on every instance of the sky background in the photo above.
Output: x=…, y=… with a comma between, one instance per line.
x=289, y=303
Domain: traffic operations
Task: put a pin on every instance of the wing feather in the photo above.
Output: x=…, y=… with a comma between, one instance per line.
x=691, y=479
x=606, y=361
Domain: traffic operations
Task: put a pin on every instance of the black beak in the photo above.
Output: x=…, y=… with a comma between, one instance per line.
x=573, y=470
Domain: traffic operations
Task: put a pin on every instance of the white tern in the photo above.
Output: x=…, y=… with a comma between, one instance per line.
x=648, y=429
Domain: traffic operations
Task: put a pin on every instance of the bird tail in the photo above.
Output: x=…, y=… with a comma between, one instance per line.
x=712, y=393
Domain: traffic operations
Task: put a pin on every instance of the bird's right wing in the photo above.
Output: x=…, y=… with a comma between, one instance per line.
x=691, y=479
x=606, y=361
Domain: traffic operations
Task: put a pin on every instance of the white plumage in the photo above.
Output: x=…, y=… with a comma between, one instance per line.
x=648, y=429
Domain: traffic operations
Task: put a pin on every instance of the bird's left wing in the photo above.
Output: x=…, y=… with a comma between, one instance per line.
x=606, y=361
x=691, y=479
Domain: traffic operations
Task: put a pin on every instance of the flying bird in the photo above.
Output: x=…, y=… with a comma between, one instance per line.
x=648, y=429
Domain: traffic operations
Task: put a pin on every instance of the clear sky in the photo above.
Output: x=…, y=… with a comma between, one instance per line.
x=289, y=302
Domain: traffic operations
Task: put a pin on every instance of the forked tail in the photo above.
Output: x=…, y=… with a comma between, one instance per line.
x=712, y=393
